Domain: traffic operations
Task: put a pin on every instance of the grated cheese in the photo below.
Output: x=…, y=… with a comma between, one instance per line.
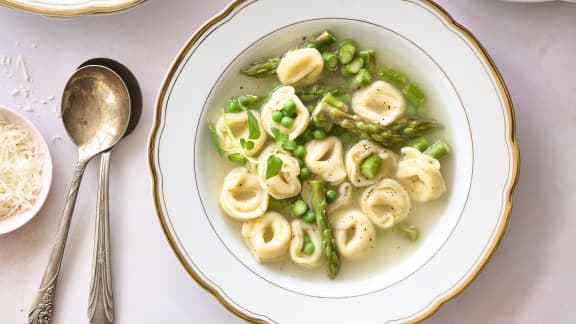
x=20, y=171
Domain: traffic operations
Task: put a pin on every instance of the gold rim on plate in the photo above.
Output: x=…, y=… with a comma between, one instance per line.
x=88, y=7
x=429, y=309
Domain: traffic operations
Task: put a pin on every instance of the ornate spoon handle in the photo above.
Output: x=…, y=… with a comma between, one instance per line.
x=43, y=306
x=100, y=301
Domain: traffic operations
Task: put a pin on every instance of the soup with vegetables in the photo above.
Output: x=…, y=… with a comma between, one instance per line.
x=337, y=151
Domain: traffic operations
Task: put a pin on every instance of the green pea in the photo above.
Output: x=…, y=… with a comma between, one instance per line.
x=319, y=134
x=331, y=195
x=304, y=173
x=287, y=121
x=299, y=208
x=277, y=116
x=300, y=151
x=289, y=108
x=232, y=106
x=307, y=136
x=308, y=248
x=310, y=217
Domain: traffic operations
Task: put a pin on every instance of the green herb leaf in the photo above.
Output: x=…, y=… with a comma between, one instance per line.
x=237, y=157
x=279, y=136
x=411, y=232
x=246, y=144
x=273, y=166
x=216, y=140
x=253, y=127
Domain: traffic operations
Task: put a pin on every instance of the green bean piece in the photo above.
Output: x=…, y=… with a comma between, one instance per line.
x=310, y=217
x=277, y=116
x=330, y=61
x=262, y=68
x=394, y=77
x=438, y=149
x=370, y=60
x=232, y=106
x=304, y=173
x=287, y=121
x=370, y=167
x=362, y=79
x=420, y=143
x=414, y=94
x=353, y=67
x=346, y=51
x=329, y=247
x=411, y=232
x=299, y=208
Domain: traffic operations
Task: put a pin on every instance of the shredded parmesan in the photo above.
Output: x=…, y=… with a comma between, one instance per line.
x=20, y=171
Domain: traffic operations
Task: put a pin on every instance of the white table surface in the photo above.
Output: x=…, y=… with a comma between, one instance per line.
x=531, y=278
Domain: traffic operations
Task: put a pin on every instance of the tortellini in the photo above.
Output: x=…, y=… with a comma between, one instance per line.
x=277, y=100
x=286, y=183
x=354, y=233
x=358, y=153
x=241, y=197
x=325, y=158
x=268, y=236
x=300, y=67
x=231, y=127
x=344, y=196
x=299, y=230
x=380, y=103
x=420, y=175
x=385, y=203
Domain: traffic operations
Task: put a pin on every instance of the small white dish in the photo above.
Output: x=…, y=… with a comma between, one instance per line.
x=70, y=8
x=11, y=223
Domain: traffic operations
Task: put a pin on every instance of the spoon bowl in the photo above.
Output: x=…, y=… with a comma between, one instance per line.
x=96, y=113
x=90, y=109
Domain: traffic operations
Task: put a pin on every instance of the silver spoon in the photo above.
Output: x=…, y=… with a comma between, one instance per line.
x=95, y=112
x=100, y=298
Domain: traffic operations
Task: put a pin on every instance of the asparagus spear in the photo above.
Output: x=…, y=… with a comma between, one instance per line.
x=394, y=135
x=325, y=39
x=262, y=68
x=315, y=92
x=318, y=191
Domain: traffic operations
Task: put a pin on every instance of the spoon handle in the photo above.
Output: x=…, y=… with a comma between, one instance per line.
x=100, y=301
x=43, y=307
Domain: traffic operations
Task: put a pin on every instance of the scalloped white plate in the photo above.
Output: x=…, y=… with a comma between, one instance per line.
x=70, y=8
x=399, y=282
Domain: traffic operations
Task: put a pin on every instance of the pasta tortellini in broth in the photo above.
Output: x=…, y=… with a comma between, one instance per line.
x=354, y=233
x=420, y=175
x=386, y=203
x=300, y=67
x=325, y=158
x=231, y=127
x=299, y=230
x=241, y=197
x=268, y=236
x=279, y=97
x=380, y=102
x=362, y=150
x=286, y=183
